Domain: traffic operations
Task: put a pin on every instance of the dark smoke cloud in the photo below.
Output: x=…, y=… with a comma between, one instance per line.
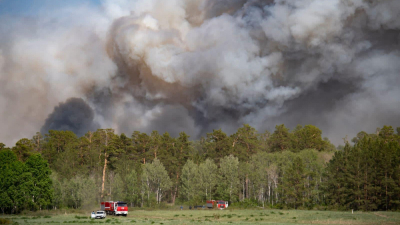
x=198, y=65
x=73, y=115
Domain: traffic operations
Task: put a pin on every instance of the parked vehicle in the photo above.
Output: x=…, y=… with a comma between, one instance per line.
x=93, y=215
x=100, y=215
x=115, y=208
x=220, y=204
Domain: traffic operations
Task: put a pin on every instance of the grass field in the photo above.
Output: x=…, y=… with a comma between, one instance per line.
x=204, y=216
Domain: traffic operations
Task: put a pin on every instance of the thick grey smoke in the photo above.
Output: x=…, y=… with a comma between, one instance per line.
x=74, y=115
x=198, y=65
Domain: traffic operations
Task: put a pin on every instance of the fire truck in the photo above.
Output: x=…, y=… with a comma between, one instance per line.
x=115, y=208
x=220, y=204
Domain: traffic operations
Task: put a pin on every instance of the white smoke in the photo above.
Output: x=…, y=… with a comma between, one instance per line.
x=198, y=65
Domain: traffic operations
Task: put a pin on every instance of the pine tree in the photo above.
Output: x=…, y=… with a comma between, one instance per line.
x=23, y=149
x=294, y=183
x=280, y=140
x=218, y=145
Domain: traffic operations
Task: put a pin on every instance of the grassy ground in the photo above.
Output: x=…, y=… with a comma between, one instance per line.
x=205, y=216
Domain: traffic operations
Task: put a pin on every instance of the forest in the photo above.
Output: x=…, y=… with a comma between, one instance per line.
x=296, y=169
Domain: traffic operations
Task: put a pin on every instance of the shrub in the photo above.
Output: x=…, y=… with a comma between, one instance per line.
x=5, y=221
x=245, y=204
x=80, y=217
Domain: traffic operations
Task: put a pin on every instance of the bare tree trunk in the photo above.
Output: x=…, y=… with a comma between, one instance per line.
x=157, y=195
x=269, y=192
x=111, y=181
x=210, y=193
x=276, y=192
x=105, y=165
x=230, y=194
x=244, y=188
x=247, y=187
x=176, y=188
x=104, y=175
x=148, y=190
x=262, y=193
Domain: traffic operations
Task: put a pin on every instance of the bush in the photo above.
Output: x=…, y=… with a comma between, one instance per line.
x=5, y=221
x=245, y=204
x=82, y=217
x=278, y=206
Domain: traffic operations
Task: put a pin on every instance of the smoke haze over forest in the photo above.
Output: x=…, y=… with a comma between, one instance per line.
x=198, y=65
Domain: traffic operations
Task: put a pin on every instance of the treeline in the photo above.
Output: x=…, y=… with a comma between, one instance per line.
x=366, y=176
x=280, y=169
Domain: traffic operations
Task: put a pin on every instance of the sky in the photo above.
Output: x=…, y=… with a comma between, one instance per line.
x=35, y=7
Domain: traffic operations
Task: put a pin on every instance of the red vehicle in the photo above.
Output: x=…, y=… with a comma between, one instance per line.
x=220, y=204
x=115, y=208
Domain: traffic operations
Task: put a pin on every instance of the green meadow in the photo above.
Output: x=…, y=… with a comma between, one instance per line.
x=204, y=216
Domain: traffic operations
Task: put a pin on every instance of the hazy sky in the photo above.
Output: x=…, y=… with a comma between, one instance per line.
x=35, y=7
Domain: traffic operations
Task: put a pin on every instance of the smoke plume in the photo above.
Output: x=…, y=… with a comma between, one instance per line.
x=198, y=65
x=74, y=115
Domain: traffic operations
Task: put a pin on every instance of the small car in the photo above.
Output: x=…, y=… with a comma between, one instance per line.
x=93, y=215
x=100, y=215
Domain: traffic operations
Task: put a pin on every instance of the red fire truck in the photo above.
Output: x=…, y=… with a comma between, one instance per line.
x=115, y=208
x=220, y=204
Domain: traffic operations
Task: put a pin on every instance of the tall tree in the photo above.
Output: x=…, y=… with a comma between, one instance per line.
x=157, y=178
x=259, y=176
x=7, y=159
x=245, y=143
x=141, y=144
x=189, y=182
x=126, y=184
x=293, y=183
x=218, y=145
x=229, y=169
x=108, y=145
x=38, y=141
x=208, y=177
x=56, y=143
x=41, y=192
x=23, y=149
x=308, y=137
x=281, y=139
